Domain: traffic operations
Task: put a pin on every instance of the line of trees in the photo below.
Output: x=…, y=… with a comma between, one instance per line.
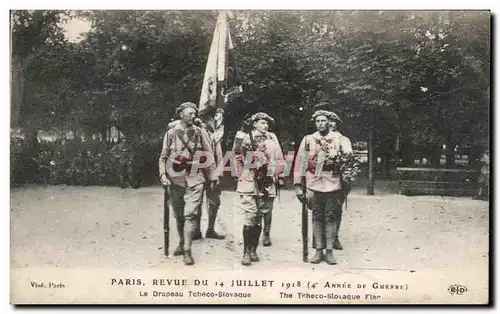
x=414, y=80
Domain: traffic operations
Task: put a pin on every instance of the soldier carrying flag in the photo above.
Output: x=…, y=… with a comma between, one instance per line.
x=221, y=83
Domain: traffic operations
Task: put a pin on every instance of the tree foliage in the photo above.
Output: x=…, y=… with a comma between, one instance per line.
x=421, y=78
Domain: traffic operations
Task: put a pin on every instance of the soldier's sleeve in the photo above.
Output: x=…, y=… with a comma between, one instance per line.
x=173, y=124
x=205, y=143
x=280, y=158
x=346, y=145
x=165, y=154
x=299, y=169
x=239, y=151
x=238, y=142
x=218, y=157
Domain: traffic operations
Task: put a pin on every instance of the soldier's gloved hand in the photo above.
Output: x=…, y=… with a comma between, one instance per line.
x=299, y=191
x=346, y=186
x=164, y=181
x=281, y=182
x=214, y=184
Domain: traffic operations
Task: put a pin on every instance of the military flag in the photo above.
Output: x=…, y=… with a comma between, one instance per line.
x=221, y=80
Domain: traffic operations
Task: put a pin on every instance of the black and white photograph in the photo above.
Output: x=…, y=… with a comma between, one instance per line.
x=250, y=156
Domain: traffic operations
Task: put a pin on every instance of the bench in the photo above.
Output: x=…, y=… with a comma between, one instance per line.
x=436, y=181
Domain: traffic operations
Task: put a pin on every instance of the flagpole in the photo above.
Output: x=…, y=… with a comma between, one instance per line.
x=211, y=87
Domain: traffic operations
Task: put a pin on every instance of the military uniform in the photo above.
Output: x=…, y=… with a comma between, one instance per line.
x=325, y=194
x=213, y=194
x=180, y=145
x=347, y=148
x=257, y=187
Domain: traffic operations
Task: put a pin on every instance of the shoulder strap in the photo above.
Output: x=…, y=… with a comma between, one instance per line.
x=185, y=144
x=252, y=141
x=197, y=139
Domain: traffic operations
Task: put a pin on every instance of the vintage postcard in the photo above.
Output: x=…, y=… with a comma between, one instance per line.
x=250, y=157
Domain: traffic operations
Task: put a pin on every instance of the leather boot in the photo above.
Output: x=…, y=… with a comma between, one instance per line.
x=337, y=245
x=188, y=259
x=266, y=240
x=255, y=243
x=211, y=234
x=197, y=232
x=246, y=246
x=318, y=257
x=180, y=230
x=189, y=227
x=179, y=250
x=212, y=215
x=329, y=257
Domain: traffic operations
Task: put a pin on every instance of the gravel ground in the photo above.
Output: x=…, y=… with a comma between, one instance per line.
x=106, y=227
x=83, y=236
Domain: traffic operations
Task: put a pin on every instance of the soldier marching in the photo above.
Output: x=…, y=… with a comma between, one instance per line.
x=182, y=174
x=212, y=195
x=259, y=162
x=325, y=192
x=254, y=153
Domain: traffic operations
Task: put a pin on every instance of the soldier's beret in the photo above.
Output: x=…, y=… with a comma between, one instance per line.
x=185, y=106
x=335, y=117
x=261, y=116
x=325, y=113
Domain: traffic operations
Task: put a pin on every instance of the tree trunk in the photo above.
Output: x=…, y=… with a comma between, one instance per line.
x=17, y=89
x=450, y=153
x=104, y=132
x=371, y=183
x=398, y=143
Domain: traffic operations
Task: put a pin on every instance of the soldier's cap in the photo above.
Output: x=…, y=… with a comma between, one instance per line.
x=325, y=113
x=219, y=110
x=261, y=116
x=185, y=106
x=335, y=117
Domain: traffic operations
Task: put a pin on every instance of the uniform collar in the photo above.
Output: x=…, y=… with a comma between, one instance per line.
x=179, y=126
x=328, y=136
x=258, y=133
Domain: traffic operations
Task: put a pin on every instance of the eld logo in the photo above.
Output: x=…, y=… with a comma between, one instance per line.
x=457, y=289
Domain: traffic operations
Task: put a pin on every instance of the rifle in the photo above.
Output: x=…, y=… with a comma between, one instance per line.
x=305, y=217
x=166, y=219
